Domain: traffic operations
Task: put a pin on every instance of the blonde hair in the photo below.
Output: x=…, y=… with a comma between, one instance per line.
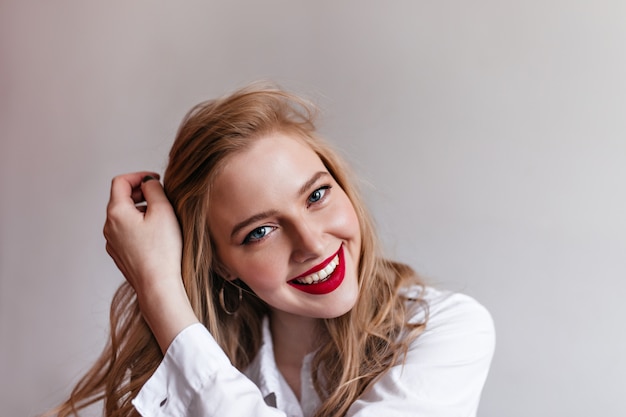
x=357, y=347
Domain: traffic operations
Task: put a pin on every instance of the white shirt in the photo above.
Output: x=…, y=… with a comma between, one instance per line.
x=442, y=376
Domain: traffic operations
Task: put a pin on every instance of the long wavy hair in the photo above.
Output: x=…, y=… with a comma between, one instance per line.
x=356, y=347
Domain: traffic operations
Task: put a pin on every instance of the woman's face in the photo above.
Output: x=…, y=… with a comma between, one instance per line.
x=283, y=226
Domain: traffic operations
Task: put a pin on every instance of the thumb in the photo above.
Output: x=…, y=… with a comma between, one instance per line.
x=153, y=193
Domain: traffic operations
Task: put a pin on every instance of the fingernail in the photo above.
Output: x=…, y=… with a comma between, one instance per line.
x=148, y=178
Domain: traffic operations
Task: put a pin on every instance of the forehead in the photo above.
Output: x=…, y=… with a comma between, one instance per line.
x=262, y=177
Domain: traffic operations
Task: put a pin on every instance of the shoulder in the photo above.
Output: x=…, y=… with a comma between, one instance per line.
x=445, y=367
x=457, y=326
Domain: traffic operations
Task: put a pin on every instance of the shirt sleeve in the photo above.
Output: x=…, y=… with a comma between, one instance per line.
x=196, y=379
x=445, y=368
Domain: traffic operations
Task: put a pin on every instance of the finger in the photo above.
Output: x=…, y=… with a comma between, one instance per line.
x=137, y=195
x=154, y=194
x=122, y=186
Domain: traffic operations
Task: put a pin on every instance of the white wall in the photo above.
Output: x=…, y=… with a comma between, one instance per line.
x=492, y=133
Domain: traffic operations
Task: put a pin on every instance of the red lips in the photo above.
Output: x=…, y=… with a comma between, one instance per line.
x=331, y=282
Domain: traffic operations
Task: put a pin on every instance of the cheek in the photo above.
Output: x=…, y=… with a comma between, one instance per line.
x=260, y=272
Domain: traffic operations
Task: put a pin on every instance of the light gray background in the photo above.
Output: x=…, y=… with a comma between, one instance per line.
x=491, y=137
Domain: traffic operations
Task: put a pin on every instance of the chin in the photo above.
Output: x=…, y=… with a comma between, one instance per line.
x=340, y=306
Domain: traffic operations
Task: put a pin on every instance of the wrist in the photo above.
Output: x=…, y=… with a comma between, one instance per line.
x=167, y=310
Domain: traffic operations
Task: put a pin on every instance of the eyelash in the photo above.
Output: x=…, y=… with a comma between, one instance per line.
x=324, y=192
x=248, y=239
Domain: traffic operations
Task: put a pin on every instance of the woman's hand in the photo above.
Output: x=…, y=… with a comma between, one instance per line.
x=146, y=244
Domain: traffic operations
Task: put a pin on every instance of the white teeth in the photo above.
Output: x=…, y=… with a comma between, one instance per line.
x=321, y=275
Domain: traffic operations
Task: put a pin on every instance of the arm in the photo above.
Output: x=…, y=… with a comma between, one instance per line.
x=195, y=378
x=146, y=246
x=445, y=368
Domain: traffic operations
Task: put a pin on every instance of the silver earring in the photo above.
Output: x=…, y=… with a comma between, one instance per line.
x=223, y=303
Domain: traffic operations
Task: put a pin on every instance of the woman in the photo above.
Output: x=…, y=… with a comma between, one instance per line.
x=256, y=286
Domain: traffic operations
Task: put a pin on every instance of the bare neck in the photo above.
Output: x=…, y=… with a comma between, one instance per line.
x=293, y=338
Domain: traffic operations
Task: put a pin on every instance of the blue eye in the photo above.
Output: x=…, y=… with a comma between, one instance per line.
x=258, y=234
x=318, y=194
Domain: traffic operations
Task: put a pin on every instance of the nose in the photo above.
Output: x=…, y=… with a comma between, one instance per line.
x=308, y=241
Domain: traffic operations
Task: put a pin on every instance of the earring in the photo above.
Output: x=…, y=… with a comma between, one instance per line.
x=223, y=303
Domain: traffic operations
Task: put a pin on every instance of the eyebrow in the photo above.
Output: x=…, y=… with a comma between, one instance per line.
x=252, y=219
x=312, y=181
x=260, y=216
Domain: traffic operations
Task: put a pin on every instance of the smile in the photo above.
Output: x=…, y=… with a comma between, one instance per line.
x=322, y=275
x=323, y=278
